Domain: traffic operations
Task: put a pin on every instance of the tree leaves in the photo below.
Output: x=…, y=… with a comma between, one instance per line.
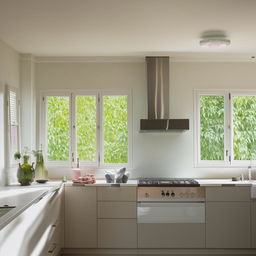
x=212, y=127
x=58, y=128
x=115, y=129
x=244, y=127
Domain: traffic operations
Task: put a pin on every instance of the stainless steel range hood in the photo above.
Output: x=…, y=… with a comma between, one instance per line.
x=158, y=98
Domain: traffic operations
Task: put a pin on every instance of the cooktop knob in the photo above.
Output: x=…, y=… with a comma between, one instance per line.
x=162, y=193
x=167, y=193
x=172, y=194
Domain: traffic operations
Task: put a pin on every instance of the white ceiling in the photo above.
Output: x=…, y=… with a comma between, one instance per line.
x=125, y=27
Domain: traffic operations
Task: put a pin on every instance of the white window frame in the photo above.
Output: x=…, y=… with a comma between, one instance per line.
x=228, y=128
x=11, y=161
x=129, y=124
x=73, y=116
x=72, y=125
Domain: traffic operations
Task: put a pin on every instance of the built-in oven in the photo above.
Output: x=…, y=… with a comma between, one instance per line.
x=171, y=216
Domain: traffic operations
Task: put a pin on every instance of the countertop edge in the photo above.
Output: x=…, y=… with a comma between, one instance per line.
x=13, y=214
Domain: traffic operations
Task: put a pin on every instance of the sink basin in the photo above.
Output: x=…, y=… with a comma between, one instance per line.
x=5, y=209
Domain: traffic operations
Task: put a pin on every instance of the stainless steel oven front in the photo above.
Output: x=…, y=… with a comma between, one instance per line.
x=170, y=217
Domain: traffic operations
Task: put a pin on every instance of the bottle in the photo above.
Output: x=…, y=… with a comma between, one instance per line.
x=76, y=172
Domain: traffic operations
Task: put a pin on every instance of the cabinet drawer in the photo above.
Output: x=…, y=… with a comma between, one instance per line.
x=228, y=194
x=116, y=193
x=117, y=233
x=110, y=210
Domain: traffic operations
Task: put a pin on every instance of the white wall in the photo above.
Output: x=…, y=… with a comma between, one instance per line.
x=9, y=75
x=154, y=154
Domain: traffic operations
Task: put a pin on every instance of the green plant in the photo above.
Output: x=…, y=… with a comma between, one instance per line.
x=24, y=155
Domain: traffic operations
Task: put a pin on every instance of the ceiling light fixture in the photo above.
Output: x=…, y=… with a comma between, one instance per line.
x=215, y=42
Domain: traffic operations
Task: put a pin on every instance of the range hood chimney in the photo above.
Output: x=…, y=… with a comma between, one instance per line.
x=158, y=98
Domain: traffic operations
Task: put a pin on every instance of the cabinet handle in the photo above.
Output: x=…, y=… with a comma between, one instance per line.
x=52, y=249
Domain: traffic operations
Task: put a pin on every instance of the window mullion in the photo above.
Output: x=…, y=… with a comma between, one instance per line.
x=73, y=127
x=100, y=156
x=228, y=125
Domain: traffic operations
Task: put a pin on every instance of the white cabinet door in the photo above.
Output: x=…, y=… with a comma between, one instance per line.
x=253, y=222
x=117, y=233
x=171, y=235
x=228, y=225
x=80, y=217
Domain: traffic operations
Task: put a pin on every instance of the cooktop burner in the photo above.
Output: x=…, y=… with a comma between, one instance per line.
x=165, y=182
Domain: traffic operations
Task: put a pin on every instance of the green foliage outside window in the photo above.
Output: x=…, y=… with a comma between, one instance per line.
x=115, y=118
x=212, y=127
x=115, y=128
x=86, y=128
x=244, y=127
x=58, y=128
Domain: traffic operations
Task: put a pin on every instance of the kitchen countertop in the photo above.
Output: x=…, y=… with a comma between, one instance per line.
x=202, y=182
x=223, y=182
x=23, y=197
x=130, y=183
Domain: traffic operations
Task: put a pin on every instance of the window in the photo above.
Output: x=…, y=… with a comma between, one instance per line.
x=13, y=123
x=225, y=128
x=58, y=128
x=92, y=126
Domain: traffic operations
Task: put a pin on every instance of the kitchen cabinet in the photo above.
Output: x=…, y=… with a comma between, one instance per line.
x=120, y=194
x=171, y=235
x=80, y=217
x=37, y=231
x=253, y=222
x=117, y=223
x=117, y=233
x=228, y=213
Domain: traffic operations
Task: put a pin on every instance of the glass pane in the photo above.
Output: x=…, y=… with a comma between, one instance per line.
x=86, y=128
x=244, y=128
x=212, y=127
x=58, y=128
x=115, y=117
x=14, y=139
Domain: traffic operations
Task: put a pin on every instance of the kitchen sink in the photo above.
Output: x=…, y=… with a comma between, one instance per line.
x=5, y=209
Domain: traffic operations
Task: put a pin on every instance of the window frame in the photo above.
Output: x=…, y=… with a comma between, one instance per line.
x=11, y=161
x=228, y=128
x=73, y=117
x=72, y=125
x=129, y=126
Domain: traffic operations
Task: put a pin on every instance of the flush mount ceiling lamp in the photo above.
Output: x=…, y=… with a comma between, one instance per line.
x=214, y=39
x=215, y=43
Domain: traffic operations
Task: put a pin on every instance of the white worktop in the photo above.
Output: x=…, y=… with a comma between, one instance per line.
x=202, y=182
x=223, y=182
x=22, y=197
x=130, y=183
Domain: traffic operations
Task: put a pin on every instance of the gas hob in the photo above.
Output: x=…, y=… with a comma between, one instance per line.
x=167, y=182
